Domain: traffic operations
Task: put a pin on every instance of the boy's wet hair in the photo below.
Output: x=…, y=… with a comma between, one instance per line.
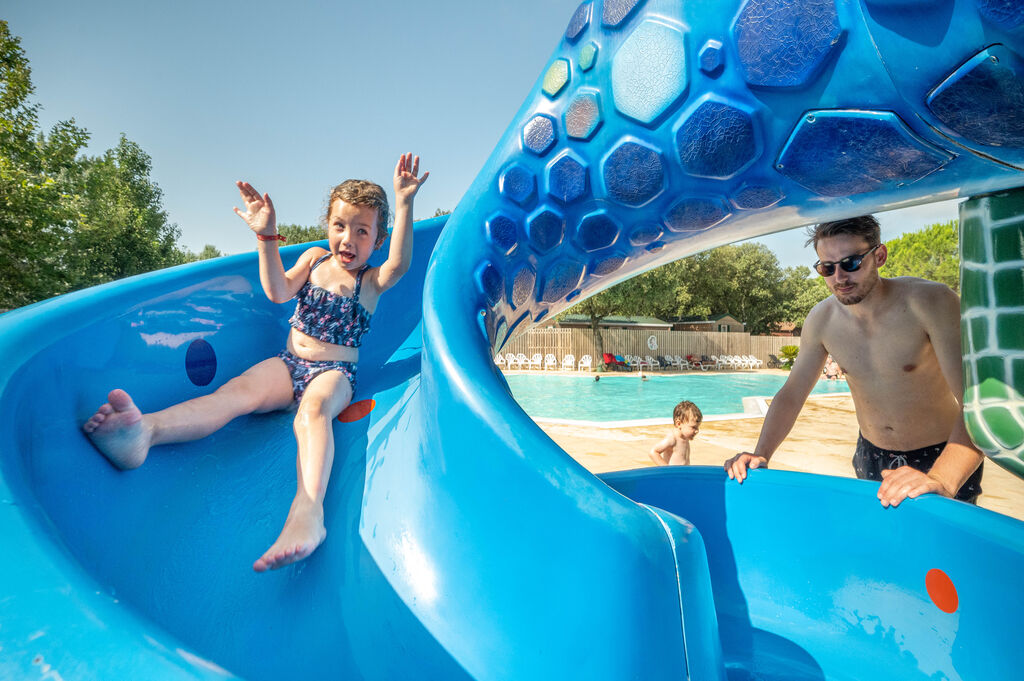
x=865, y=226
x=685, y=411
x=362, y=193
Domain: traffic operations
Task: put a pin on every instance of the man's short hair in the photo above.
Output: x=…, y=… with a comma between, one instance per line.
x=685, y=411
x=865, y=226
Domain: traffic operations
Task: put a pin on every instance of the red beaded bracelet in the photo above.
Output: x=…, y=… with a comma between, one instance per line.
x=274, y=237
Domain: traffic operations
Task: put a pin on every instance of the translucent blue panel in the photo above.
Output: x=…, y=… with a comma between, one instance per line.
x=782, y=43
x=546, y=230
x=649, y=71
x=583, y=117
x=633, y=174
x=1008, y=14
x=983, y=100
x=503, y=233
x=753, y=197
x=523, y=281
x=609, y=265
x=489, y=282
x=716, y=140
x=645, y=233
x=539, y=134
x=711, y=58
x=567, y=179
x=597, y=231
x=696, y=214
x=838, y=153
x=578, y=23
x=517, y=183
x=561, y=279
x=616, y=11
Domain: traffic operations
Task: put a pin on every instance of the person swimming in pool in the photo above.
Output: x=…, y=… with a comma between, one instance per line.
x=897, y=341
x=337, y=295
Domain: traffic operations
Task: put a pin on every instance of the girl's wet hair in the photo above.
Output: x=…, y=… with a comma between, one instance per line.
x=864, y=226
x=363, y=193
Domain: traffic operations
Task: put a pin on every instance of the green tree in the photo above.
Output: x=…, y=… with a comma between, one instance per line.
x=36, y=171
x=299, y=234
x=69, y=221
x=121, y=229
x=209, y=252
x=930, y=253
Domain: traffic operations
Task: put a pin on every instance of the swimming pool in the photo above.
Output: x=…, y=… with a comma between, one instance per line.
x=624, y=397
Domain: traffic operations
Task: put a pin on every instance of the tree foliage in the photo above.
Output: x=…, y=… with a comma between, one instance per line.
x=930, y=253
x=68, y=220
x=300, y=234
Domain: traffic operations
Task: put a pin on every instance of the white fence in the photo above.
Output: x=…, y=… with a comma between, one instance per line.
x=579, y=342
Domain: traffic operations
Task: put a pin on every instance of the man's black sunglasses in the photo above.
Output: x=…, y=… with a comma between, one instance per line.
x=850, y=263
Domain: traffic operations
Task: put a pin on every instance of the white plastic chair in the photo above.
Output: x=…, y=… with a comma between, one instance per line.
x=755, y=363
x=537, y=361
x=569, y=363
x=651, y=362
x=499, y=360
x=681, y=363
x=585, y=363
x=719, y=364
x=523, y=362
x=550, y=362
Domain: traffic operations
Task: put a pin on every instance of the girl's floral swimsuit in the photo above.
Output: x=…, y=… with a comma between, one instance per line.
x=332, y=318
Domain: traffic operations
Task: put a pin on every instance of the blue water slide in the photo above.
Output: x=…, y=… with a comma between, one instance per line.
x=462, y=542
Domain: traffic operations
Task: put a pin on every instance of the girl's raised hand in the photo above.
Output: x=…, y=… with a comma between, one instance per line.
x=259, y=210
x=406, y=182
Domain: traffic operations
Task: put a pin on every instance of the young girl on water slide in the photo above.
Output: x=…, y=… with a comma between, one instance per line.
x=337, y=294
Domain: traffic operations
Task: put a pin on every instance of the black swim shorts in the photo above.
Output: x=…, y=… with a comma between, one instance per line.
x=869, y=461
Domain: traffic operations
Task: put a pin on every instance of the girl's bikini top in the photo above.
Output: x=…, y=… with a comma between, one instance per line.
x=327, y=316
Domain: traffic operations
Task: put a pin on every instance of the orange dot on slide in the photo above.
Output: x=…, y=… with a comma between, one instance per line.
x=941, y=590
x=356, y=411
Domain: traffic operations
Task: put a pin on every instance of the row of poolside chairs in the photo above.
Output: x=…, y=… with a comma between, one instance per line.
x=704, y=363
x=549, y=362
x=543, y=362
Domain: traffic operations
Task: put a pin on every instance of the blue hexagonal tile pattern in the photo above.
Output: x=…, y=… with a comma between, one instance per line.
x=539, y=134
x=716, y=140
x=617, y=11
x=561, y=279
x=583, y=116
x=517, y=183
x=567, y=178
x=502, y=233
x=579, y=22
x=696, y=214
x=839, y=153
x=633, y=174
x=782, y=43
x=597, y=230
x=649, y=71
x=523, y=281
x=545, y=230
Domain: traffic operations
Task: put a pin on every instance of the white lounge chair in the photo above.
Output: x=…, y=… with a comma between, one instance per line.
x=585, y=363
x=511, y=361
x=719, y=364
x=524, y=362
x=569, y=363
x=550, y=362
x=537, y=361
x=499, y=360
x=755, y=363
x=651, y=362
x=681, y=363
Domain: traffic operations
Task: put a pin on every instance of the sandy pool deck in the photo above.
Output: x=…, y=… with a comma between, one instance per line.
x=822, y=441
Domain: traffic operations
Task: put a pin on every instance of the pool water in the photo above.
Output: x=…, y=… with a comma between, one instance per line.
x=624, y=397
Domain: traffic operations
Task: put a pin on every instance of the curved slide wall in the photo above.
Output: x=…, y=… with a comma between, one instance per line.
x=462, y=542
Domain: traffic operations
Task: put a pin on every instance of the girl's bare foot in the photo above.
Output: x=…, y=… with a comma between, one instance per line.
x=118, y=431
x=303, y=532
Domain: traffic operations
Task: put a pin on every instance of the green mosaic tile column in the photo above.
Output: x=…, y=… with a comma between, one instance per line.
x=992, y=324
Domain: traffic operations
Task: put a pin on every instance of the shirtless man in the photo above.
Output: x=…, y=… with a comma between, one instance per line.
x=898, y=342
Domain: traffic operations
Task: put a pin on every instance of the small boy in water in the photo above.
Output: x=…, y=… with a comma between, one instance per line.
x=674, y=448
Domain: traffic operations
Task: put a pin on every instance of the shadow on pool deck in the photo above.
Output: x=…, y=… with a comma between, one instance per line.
x=822, y=441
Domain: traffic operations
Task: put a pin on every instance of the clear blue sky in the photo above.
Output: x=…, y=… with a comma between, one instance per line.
x=295, y=97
